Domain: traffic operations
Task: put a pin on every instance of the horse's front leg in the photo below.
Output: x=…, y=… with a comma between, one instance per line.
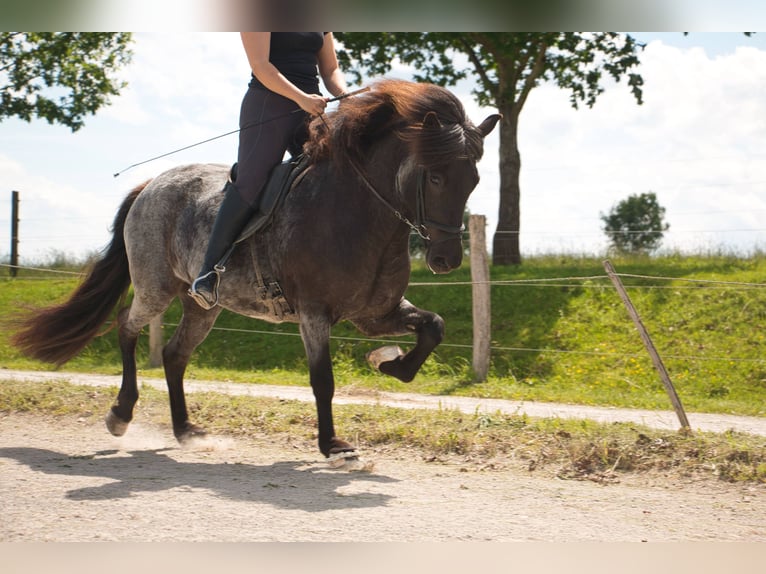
x=315, y=332
x=403, y=319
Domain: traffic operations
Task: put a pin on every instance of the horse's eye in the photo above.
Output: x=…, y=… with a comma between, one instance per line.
x=435, y=178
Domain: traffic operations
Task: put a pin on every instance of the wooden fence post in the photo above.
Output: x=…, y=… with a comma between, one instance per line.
x=155, y=342
x=658, y=364
x=14, y=233
x=482, y=317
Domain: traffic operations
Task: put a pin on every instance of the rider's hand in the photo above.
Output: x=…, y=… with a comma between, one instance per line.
x=313, y=104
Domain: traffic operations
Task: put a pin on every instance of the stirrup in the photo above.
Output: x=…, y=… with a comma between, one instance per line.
x=200, y=297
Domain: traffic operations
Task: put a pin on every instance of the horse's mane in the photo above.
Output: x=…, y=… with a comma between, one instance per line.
x=400, y=107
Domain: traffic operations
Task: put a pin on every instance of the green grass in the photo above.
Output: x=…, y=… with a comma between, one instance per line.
x=569, y=341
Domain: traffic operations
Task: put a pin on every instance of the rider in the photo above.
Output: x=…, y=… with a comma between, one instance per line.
x=284, y=79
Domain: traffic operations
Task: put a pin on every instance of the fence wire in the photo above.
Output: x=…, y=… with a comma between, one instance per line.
x=559, y=282
x=537, y=282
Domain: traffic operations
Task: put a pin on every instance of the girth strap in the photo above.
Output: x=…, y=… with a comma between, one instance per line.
x=267, y=287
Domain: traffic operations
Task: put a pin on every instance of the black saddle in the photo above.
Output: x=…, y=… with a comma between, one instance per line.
x=281, y=180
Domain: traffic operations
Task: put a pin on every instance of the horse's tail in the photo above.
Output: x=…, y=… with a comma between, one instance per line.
x=57, y=333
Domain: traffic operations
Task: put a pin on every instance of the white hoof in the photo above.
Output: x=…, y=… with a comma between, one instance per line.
x=384, y=354
x=350, y=462
x=113, y=423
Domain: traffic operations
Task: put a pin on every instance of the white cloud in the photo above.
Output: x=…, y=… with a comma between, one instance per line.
x=694, y=142
x=54, y=216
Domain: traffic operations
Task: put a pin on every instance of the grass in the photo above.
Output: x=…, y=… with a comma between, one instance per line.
x=565, y=448
x=565, y=341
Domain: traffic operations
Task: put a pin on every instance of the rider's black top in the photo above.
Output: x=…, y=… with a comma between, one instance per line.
x=294, y=54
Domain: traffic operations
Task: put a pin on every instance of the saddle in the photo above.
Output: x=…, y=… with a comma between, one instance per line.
x=280, y=182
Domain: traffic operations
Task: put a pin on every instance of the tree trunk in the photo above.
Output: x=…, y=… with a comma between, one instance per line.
x=505, y=245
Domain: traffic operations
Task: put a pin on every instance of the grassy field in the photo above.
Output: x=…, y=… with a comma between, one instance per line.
x=559, y=333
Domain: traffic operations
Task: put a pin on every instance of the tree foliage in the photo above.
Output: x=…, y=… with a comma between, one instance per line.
x=505, y=67
x=59, y=76
x=636, y=224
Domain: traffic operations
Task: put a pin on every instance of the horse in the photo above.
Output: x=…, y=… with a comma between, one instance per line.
x=398, y=159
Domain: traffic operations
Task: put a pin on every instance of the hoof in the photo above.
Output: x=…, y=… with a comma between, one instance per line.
x=344, y=456
x=349, y=461
x=114, y=424
x=384, y=355
x=189, y=432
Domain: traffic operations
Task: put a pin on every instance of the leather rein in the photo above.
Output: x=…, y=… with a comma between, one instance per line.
x=422, y=223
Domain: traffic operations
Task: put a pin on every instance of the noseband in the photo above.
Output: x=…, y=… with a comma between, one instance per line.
x=422, y=223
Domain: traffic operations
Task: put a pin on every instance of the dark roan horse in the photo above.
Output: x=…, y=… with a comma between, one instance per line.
x=400, y=158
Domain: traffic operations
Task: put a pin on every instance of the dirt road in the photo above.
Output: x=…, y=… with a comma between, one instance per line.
x=69, y=480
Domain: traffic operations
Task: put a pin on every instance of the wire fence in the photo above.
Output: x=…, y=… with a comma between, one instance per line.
x=584, y=282
x=537, y=282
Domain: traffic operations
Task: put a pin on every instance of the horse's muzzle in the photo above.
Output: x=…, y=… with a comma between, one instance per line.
x=442, y=261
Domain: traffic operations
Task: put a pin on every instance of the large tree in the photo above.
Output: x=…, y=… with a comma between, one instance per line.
x=505, y=67
x=59, y=76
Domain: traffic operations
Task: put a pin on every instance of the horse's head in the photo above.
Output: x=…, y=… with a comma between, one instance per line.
x=443, y=191
x=437, y=170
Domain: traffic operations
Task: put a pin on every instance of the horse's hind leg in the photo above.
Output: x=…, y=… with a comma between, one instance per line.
x=194, y=327
x=130, y=321
x=404, y=319
x=119, y=416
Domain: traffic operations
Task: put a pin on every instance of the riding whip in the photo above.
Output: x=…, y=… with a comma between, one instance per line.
x=335, y=99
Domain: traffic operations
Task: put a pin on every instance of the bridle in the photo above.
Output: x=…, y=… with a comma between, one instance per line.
x=422, y=223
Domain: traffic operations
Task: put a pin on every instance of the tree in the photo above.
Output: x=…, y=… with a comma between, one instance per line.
x=506, y=67
x=636, y=224
x=59, y=76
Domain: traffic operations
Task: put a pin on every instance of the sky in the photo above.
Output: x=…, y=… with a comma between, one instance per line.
x=698, y=142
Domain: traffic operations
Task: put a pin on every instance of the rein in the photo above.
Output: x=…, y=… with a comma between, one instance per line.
x=422, y=223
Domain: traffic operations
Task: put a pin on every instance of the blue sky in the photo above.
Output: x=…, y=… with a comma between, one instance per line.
x=697, y=142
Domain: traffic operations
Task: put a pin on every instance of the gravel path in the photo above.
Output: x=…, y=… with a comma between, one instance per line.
x=69, y=480
x=72, y=481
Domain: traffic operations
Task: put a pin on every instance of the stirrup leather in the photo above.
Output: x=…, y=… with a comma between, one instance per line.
x=201, y=297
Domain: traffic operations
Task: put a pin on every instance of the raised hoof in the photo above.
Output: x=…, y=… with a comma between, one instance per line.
x=115, y=424
x=383, y=355
x=189, y=432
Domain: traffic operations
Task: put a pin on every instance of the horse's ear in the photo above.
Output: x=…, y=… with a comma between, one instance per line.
x=489, y=124
x=431, y=121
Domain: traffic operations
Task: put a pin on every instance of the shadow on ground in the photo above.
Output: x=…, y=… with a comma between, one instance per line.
x=282, y=484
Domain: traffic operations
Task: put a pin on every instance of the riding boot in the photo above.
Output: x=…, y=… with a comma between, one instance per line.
x=232, y=216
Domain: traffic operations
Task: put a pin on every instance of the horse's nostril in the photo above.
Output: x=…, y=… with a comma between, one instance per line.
x=440, y=264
